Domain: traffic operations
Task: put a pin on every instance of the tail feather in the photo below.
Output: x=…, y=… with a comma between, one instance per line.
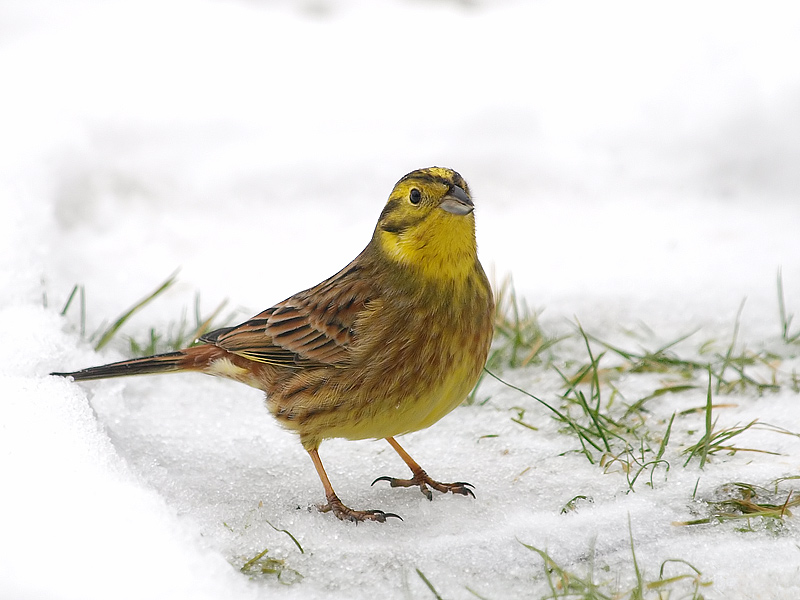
x=161, y=363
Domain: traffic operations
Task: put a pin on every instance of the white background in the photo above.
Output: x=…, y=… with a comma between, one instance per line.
x=629, y=163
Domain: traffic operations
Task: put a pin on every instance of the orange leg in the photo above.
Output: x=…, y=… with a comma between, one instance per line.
x=336, y=506
x=421, y=478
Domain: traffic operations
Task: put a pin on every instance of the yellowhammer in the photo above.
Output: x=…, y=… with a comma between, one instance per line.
x=388, y=345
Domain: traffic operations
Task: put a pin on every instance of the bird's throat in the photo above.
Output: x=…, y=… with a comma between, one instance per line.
x=440, y=249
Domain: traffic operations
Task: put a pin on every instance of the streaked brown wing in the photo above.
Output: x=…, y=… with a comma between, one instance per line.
x=251, y=341
x=312, y=327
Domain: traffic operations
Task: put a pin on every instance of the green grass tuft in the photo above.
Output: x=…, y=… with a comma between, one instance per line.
x=262, y=565
x=111, y=331
x=177, y=335
x=519, y=340
x=620, y=434
x=564, y=584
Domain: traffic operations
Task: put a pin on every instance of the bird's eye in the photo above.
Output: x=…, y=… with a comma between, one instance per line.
x=415, y=196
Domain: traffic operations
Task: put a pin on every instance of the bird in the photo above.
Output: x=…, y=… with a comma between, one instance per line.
x=388, y=345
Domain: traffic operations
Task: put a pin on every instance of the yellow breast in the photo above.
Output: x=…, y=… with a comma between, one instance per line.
x=415, y=362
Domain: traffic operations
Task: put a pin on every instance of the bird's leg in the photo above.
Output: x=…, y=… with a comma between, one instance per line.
x=336, y=506
x=421, y=478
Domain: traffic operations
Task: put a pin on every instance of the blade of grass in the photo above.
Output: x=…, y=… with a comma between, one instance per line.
x=665, y=440
x=638, y=592
x=594, y=417
x=254, y=560
x=582, y=437
x=429, y=584
x=709, y=426
x=287, y=532
x=205, y=325
x=109, y=333
x=670, y=389
x=69, y=300
x=648, y=360
x=83, y=312
x=786, y=319
x=594, y=390
x=727, y=358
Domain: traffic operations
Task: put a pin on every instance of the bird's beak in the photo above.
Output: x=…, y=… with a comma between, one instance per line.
x=457, y=202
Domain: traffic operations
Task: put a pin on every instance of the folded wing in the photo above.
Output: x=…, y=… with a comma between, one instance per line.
x=314, y=327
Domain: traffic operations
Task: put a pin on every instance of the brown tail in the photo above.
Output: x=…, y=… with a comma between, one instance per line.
x=190, y=359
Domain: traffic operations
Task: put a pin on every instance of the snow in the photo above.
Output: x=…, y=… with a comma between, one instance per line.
x=630, y=163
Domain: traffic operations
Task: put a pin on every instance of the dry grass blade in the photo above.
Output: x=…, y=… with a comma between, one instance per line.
x=262, y=565
x=744, y=501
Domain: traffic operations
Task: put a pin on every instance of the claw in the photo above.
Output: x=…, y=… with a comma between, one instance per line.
x=344, y=513
x=388, y=515
x=428, y=494
x=460, y=487
x=422, y=481
x=464, y=491
x=373, y=515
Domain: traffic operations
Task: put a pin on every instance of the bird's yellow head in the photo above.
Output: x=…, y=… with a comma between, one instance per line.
x=428, y=226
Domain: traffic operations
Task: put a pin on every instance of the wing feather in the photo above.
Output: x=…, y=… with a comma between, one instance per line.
x=313, y=327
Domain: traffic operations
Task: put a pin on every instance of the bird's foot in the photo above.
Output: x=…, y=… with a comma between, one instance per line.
x=424, y=482
x=344, y=513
